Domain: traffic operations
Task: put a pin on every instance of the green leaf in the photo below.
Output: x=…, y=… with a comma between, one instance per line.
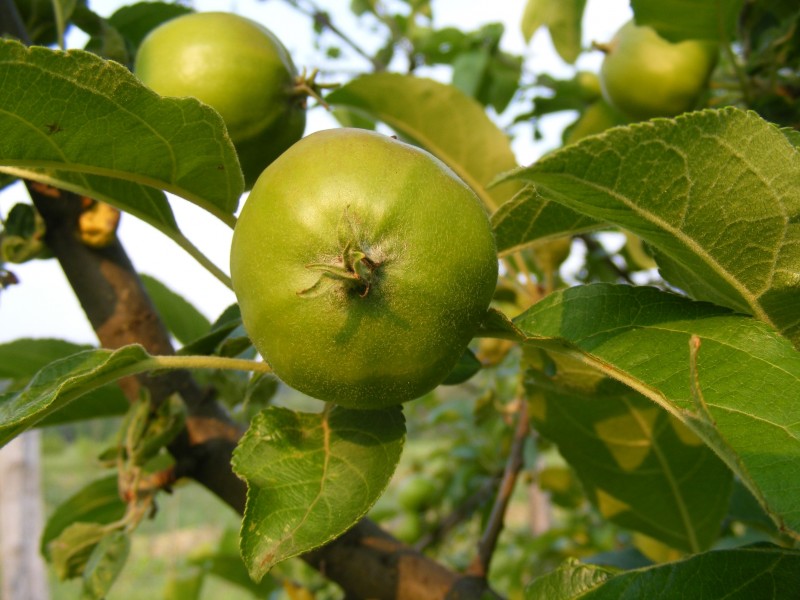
x=135, y=21
x=570, y=581
x=63, y=381
x=746, y=509
x=155, y=429
x=22, y=358
x=564, y=94
x=102, y=123
x=310, y=477
x=71, y=550
x=738, y=391
x=441, y=119
x=502, y=81
x=440, y=46
x=495, y=324
x=349, y=118
x=678, y=20
x=184, y=584
x=639, y=465
x=469, y=70
x=105, y=564
x=793, y=135
x=22, y=236
x=760, y=571
x=182, y=319
x=528, y=217
x=45, y=20
x=594, y=118
x=713, y=192
x=62, y=11
x=226, y=562
x=467, y=366
x=148, y=204
x=99, y=502
x=106, y=401
x=562, y=18
x=104, y=39
x=220, y=332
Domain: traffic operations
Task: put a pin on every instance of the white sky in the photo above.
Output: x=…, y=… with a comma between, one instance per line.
x=43, y=304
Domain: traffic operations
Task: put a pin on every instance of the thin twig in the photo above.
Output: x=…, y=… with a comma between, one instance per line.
x=366, y=561
x=106, y=285
x=530, y=284
x=592, y=245
x=462, y=512
x=488, y=542
x=323, y=20
x=521, y=283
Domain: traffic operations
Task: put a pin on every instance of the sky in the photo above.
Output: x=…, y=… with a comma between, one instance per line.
x=43, y=305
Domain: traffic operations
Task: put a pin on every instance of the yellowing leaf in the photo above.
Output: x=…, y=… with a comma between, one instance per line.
x=562, y=18
x=714, y=193
x=738, y=391
x=443, y=120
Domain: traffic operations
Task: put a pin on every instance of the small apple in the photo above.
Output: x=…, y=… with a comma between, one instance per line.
x=644, y=76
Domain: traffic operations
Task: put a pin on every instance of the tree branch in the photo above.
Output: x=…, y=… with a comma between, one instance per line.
x=480, y=565
x=323, y=20
x=118, y=308
x=120, y=312
x=366, y=561
x=459, y=515
x=595, y=247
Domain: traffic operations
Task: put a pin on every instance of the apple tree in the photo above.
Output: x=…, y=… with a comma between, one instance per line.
x=447, y=374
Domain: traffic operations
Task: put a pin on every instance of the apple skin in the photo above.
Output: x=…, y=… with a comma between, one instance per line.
x=238, y=67
x=363, y=267
x=645, y=76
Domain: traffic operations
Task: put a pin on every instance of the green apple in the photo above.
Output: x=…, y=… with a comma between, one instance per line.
x=644, y=76
x=597, y=117
x=238, y=67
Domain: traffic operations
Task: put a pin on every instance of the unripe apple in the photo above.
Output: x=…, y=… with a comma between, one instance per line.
x=238, y=67
x=644, y=76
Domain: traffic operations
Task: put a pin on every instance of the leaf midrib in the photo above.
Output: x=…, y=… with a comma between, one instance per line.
x=326, y=450
x=689, y=242
x=100, y=94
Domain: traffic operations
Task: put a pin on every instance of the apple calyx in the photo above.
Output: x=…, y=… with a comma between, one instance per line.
x=353, y=271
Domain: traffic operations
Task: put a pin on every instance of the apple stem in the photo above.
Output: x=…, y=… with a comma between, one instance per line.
x=602, y=47
x=306, y=85
x=352, y=270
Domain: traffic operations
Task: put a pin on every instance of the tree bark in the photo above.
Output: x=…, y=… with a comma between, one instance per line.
x=120, y=312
